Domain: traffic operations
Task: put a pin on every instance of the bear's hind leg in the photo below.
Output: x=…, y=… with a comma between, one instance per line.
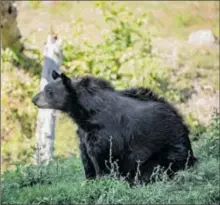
x=132, y=166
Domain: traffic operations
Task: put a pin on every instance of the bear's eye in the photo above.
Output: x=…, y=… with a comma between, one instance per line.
x=49, y=93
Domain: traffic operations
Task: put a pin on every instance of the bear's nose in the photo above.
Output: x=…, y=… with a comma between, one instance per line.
x=34, y=99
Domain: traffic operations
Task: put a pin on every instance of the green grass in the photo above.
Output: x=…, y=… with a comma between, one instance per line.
x=63, y=182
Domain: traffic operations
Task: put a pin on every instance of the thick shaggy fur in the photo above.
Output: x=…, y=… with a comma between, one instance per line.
x=143, y=130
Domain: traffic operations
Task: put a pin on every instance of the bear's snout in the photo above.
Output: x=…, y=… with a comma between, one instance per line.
x=40, y=101
x=35, y=99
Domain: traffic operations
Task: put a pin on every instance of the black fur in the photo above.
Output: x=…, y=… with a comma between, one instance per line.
x=144, y=129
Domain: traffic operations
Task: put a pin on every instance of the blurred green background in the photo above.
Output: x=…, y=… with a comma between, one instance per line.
x=128, y=43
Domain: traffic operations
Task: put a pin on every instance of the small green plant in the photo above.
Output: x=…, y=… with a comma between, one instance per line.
x=185, y=19
x=35, y=4
x=212, y=136
x=196, y=127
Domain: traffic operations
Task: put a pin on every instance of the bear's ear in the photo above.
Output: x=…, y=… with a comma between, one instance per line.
x=55, y=75
x=85, y=81
x=66, y=81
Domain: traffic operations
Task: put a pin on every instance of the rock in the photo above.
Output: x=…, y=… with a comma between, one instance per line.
x=202, y=37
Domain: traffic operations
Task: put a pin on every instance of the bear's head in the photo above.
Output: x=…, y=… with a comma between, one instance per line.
x=64, y=92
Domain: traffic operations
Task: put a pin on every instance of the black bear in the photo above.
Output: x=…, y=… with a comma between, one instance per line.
x=134, y=127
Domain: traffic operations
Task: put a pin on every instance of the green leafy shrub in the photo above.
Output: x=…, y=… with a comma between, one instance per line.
x=211, y=136
x=196, y=127
x=18, y=115
x=125, y=55
x=183, y=19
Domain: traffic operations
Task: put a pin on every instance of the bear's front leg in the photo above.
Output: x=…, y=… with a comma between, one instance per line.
x=97, y=156
x=96, y=165
x=98, y=148
x=89, y=169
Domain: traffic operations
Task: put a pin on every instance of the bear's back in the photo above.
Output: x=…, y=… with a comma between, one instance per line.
x=140, y=117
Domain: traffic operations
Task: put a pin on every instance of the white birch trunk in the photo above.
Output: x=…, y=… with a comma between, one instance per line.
x=46, y=119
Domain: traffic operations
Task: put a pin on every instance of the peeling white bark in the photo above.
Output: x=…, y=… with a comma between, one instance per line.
x=46, y=119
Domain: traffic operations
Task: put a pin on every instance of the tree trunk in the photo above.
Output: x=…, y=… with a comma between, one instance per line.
x=10, y=34
x=45, y=131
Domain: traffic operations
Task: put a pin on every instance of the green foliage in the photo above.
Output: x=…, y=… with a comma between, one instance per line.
x=125, y=55
x=196, y=127
x=183, y=19
x=212, y=140
x=202, y=62
x=35, y=4
x=17, y=114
